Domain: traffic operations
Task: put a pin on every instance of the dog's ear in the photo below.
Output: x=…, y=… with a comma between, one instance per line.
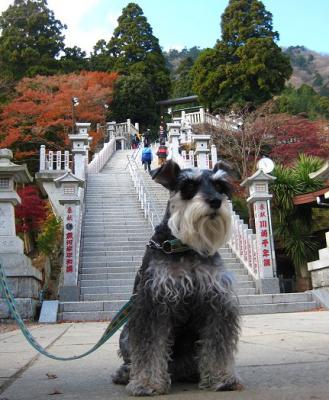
x=167, y=174
x=226, y=167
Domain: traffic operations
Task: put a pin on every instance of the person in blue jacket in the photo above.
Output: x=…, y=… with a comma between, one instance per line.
x=147, y=157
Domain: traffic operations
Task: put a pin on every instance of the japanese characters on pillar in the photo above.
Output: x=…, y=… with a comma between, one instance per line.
x=263, y=238
x=69, y=239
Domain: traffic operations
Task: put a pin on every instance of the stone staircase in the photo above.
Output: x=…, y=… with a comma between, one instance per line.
x=114, y=237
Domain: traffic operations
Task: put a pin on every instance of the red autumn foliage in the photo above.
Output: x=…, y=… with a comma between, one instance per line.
x=31, y=213
x=296, y=135
x=42, y=111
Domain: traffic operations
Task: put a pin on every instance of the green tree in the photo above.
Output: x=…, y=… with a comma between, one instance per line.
x=293, y=224
x=182, y=85
x=135, y=53
x=141, y=104
x=303, y=100
x=31, y=39
x=74, y=59
x=246, y=67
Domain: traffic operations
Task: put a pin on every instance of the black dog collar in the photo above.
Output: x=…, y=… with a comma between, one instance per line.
x=169, y=246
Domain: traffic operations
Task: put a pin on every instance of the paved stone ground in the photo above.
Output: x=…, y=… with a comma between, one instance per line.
x=281, y=357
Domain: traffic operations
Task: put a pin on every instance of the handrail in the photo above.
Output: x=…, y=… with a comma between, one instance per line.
x=101, y=158
x=244, y=245
x=144, y=196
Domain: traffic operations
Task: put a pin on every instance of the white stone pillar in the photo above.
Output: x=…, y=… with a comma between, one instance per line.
x=213, y=155
x=202, y=115
x=69, y=186
x=259, y=197
x=42, y=158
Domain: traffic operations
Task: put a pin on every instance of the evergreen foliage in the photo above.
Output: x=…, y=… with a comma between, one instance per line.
x=246, y=67
x=133, y=97
x=31, y=39
x=182, y=85
x=136, y=52
x=293, y=225
x=303, y=100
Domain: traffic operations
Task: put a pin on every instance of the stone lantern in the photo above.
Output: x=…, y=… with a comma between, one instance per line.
x=259, y=197
x=174, y=135
x=80, y=147
x=201, y=150
x=23, y=278
x=69, y=186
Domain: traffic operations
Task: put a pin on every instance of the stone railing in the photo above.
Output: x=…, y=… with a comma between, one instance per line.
x=202, y=117
x=243, y=243
x=122, y=129
x=144, y=196
x=101, y=158
x=54, y=160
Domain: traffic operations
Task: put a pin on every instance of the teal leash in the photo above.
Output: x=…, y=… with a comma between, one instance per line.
x=119, y=319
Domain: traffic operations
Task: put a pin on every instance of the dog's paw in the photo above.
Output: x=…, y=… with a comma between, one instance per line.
x=135, y=388
x=121, y=376
x=228, y=385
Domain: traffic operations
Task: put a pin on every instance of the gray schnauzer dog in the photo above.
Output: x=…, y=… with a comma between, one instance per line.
x=184, y=324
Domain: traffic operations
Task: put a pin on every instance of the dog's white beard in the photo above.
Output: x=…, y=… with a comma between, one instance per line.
x=197, y=225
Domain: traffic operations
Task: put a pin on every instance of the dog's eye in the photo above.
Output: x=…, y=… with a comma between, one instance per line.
x=189, y=188
x=220, y=186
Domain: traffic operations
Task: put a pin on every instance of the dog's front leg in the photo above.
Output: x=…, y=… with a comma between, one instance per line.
x=149, y=337
x=219, y=338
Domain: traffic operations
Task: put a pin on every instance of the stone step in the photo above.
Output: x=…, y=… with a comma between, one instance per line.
x=107, y=297
x=110, y=246
x=81, y=306
x=112, y=252
x=277, y=308
x=113, y=264
x=106, y=289
x=276, y=298
x=121, y=295
x=132, y=267
x=118, y=278
x=109, y=270
x=86, y=316
x=98, y=315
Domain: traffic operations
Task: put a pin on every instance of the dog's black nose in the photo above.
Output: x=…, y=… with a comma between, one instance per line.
x=215, y=203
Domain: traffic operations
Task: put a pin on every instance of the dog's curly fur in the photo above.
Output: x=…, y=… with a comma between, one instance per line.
x=184, y=324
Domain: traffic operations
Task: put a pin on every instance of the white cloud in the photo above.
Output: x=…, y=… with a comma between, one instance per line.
x=75, y=14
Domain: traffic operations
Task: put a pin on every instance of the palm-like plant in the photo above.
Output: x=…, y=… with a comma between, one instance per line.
x=293, y=225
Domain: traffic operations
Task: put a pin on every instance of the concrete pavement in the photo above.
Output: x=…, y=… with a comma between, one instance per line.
x=281, y=357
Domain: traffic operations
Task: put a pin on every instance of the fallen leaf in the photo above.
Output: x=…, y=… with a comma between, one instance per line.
x=55, y=392
x=51, y=376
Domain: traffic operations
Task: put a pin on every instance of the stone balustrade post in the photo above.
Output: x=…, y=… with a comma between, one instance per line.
x=42, y=165
x=69, y=186
x=213, y=151
x=23, y=278
x=202, y=115
x=259, y=197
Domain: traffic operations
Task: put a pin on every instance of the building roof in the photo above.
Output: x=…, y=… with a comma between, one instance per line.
x=308, y=198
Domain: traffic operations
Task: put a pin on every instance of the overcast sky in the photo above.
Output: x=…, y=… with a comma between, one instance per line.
x=187, y=23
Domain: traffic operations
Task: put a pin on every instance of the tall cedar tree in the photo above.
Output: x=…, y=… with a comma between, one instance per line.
x=136, y=52
x=31, y=40
x=246, y=67
x=182, y=85
x=42, y=114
